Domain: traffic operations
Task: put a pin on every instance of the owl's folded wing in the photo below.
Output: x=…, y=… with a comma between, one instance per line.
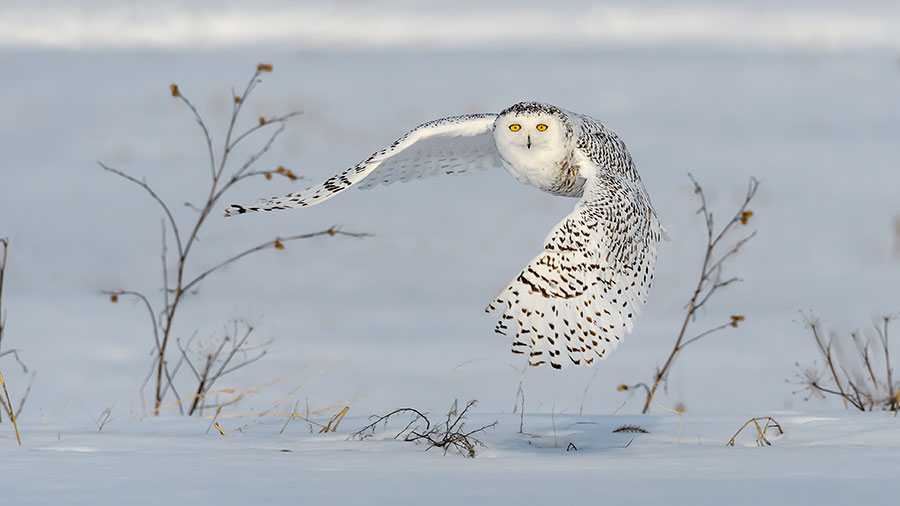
x=445, y=146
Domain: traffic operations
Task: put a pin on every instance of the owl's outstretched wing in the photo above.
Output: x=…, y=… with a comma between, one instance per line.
x=576, y=300
x=445, y=146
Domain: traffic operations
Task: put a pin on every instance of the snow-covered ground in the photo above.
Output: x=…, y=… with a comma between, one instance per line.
x=842, y=459
x=396, y=320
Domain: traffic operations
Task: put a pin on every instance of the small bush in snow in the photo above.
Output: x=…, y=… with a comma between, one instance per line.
x=855, y=368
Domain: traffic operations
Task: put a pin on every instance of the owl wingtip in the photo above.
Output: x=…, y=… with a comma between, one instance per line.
x=234, y=209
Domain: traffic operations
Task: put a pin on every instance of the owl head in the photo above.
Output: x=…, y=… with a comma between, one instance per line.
x=533, y=131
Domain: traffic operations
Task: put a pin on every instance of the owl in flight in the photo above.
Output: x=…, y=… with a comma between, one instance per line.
x=576, y=300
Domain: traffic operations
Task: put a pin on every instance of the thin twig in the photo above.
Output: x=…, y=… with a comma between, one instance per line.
x=705, y=333
x=277, y=119
x=102, y=419
x=586, y=387
x=148, y=189
x=164, y=259
x=215, y=418
x=710, y=280
x=4, y=242
x=206, y=136
x=886, y=320
x=275, y=243
x=826, y=352
x=289, y=418
x=171, y=384
x=25, y=395
x=235, y=112
x=12, y=415
x=15, y=353
x=142, y=298
x=447, y=435
x=369, y=430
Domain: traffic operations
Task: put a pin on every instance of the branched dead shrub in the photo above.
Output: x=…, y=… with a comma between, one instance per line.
x=854, y=367
x=720, y=247
x=186, y=278
x=449, y=434
x=210, y=361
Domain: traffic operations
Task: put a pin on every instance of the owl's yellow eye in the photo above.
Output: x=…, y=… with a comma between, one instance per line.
x=541, y=127
x=515, y=127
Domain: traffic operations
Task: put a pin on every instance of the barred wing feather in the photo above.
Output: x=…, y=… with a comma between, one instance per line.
x=446, y=146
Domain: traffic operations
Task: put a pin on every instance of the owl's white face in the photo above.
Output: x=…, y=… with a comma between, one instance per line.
x=531, y=142
x=533, y=134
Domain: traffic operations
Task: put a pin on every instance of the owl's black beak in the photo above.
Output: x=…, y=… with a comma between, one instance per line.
x=529, y=142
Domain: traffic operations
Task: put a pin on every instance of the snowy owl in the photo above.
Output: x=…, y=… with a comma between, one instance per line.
x=576, y=300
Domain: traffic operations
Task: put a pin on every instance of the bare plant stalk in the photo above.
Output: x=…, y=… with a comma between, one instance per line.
x=6, y=404
x=586, y=387
x=103, y=418
x=883, y=334
x=519, y=403
x=12, y=415
x=175, y=290
x=289, y=418
x=710, y=280
x=825, y=349
x=4, y=243
x=25, y=395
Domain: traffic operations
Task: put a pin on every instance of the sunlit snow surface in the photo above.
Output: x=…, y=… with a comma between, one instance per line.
x=850, y=457
x=383, y=322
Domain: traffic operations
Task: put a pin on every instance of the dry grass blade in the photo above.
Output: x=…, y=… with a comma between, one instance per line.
x=11, y=413
x=335, y=420
x=586, y=387
x=761, y=432
x=680, y=414
x=215, y=419
x=236, y=393
x=289, y=418
x=330, y=426
x=5, y=401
